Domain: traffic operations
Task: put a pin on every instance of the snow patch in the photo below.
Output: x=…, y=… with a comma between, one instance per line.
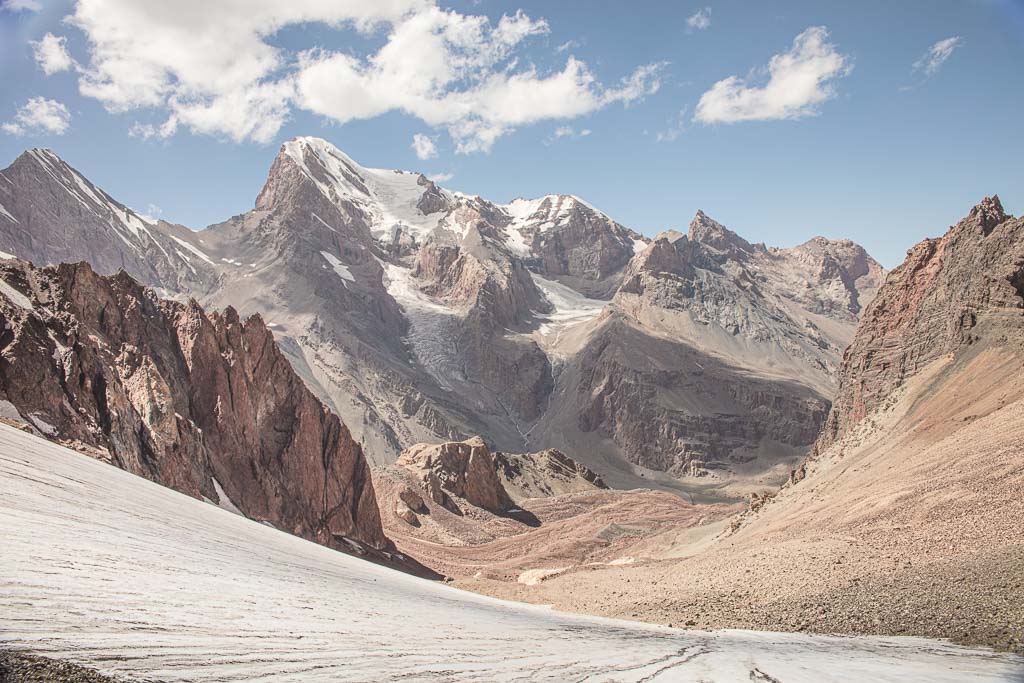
x=42, y=425
x=570, y=307
x=4, y=212
x=390, y=197
x=430, y=322
x=340, y=268
x=194, y=249
x=225, y=502
x=16, y=297
x=323, y=222
x=9, y=411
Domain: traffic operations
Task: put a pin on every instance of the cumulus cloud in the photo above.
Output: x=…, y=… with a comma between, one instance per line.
x=454, y=71
x=700, y=20
x=797, y=82
x=21, y=5
x=932, y=60
x=211, y=68
x=441, y=177
x=424, y=146
x=39, y=116
x=51, y=54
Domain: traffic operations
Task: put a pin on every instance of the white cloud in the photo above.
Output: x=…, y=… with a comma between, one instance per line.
x=932, y=60
x=567, y=45
x=51, y=54
x=209, y=67
x=39, y=116
x=147, y=131
x=566, y=132
x=207, y=64
x=675, y=128
x=21, y=5
x=441, y=177
x=798, y=81
x=700, y=20
x=455, y=71
x=424, y=146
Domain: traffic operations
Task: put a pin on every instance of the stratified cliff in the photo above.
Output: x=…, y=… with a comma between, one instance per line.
x=932, y=306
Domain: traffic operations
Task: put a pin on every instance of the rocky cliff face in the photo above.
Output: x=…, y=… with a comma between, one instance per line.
x=465, y=469
x=673, y=408
x=572, y=241
x=430, y=483
x=936, y=303
x=715, y=353
x=547, y=473
x=203, y=403
x=50, y=213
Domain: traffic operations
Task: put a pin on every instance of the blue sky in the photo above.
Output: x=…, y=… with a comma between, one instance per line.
x=885, y=125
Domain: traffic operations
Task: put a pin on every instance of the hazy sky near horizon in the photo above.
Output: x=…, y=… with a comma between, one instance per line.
x=878, y=121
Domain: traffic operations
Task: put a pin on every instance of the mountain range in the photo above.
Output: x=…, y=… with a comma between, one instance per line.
x=540, y=403
x=697, y=362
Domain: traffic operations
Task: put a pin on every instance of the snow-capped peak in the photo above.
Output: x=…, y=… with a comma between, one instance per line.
x=389, y=199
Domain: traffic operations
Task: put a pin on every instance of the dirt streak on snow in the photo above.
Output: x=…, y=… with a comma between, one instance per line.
x=121, y=574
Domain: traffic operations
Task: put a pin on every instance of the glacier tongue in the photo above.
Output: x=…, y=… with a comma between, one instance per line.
x=121, y=574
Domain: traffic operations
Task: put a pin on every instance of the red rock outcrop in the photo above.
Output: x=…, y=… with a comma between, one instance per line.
x=202, y=403
x=937, y=302
x=466, y=469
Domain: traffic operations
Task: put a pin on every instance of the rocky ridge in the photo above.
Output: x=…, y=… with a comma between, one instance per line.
x=933, y=305
x=204, y=403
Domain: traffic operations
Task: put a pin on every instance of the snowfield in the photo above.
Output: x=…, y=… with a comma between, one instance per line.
x=118, y=573
x=570, y=307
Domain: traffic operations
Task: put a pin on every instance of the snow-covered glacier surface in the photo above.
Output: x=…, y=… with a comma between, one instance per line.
x=107, y=569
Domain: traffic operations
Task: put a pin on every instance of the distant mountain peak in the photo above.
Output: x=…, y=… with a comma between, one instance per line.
x=711, y=233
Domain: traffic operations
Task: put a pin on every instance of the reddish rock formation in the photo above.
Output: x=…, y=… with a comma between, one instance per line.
x=202, y=403
x=932, y=305
x=463, y=468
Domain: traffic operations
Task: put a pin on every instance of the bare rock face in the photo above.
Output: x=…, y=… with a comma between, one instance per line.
x=939, y=301
x=546, y=473
x=432, y=200
x=202, y=403
x=492, y=292
x=670, y=407
x=574, y=242
x=42, y=197
x=465, y=469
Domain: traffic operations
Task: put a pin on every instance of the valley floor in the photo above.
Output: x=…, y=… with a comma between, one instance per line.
x=114, y=572
x=911, y=526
